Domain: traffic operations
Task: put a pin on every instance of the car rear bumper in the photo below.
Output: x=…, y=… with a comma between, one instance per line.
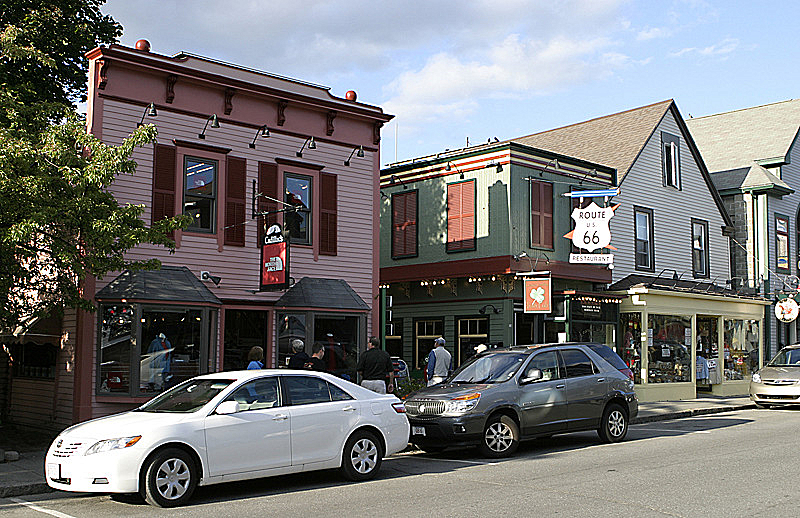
x=447, y=431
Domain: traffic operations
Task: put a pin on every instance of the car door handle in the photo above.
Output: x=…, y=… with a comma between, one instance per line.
x=348, y=408
x=560, y=386
x=600, y=380
x=280, y=417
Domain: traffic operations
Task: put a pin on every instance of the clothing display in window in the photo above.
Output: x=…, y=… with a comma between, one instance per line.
x=702, y=369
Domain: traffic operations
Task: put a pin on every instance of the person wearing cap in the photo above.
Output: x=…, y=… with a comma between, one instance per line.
x=440, y=363
x=159, y=350
x=374, y=365
x=299, y=358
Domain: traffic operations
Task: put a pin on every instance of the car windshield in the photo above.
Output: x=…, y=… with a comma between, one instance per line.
x=186, y=397
x=489, y=368
x=785, y=358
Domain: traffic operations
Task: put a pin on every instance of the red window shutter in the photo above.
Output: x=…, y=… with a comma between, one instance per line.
x=542, y=214
x=235, y=201
x=404, y=224
x=267, y=186
x=461, y=216
x=327, y=214
x=163, y=183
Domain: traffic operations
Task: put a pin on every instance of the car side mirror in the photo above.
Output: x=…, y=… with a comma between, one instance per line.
x=227, y=407
x=533, y=376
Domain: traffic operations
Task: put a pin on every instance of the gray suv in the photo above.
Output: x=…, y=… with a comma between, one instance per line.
x=501, y=397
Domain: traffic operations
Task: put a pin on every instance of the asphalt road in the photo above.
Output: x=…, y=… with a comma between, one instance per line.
x=723, y=465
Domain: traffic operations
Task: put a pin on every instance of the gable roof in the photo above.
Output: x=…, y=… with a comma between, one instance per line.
x=735, y=139
x=753, y=178
x=168, y=284
x=312, y=292
x=614, y=140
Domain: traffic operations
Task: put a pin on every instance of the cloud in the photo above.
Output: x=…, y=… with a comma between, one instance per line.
x=653, y=33
x=721, y=49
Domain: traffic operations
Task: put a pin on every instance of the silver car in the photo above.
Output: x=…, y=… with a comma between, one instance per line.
x=778, y=382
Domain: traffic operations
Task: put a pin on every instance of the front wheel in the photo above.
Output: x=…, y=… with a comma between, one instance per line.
x=362, y=456
x=500, y=437
x=614, y=425
x=170, y=478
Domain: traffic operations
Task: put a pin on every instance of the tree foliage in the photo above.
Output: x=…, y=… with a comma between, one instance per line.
x=59, y=223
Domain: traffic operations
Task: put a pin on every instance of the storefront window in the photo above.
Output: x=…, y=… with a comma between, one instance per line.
x=290, y=326
x=425, y=332
x=631, y=347
x=741, y=354
x=173, y=341
x=708, y=370
x=471, y=333
x=669, y=353
x=394, y=338
x=243, y=330
x=116, y=342
x=339, y=335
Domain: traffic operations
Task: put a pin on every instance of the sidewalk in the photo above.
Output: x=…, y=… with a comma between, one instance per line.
x=26, y=475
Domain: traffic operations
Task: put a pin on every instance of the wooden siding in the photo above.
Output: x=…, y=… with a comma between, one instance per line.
x=673, y=211
x=238, y=266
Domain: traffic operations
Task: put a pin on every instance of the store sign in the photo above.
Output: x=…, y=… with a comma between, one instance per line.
x=591, y=258
x=274, y=260
x=537, y=295
x=787, y=310
x=591, y=227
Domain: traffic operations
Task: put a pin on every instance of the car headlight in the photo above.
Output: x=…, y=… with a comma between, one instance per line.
x=756, y=377
x=113, y=444
x=462, y=404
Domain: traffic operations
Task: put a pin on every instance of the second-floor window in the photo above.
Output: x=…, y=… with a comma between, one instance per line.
x=461, y=216
x=670, y=160
x=782, y=243
x=297, y=192
x=541, y=201
x=404, y=224
x=643, y=230
x=700, y=248
x=200, y=194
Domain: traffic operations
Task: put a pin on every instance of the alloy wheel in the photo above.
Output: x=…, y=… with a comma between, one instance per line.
x=364, y=455
x=173, y=478
x=499, y=437
x=616, y=423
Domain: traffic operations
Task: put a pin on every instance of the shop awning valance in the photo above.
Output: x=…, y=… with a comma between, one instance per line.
x=671, y=283
x=168, y=284
x=310, y=292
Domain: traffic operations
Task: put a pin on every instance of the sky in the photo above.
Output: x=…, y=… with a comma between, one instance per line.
x=453, y=72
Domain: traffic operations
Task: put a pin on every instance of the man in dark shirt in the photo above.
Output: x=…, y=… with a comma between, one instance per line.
x=374, y=365
x=299, y=358
x=315, y=363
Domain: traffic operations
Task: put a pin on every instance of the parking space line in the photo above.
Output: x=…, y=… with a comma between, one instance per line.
x=676, y=431
x=463, y=461
x=40, y=509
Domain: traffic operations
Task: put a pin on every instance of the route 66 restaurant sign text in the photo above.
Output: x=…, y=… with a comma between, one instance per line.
x=274, y=260
x=592, y=230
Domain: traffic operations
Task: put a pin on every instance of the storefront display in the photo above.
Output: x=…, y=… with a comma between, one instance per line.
x=631, y=348
x=707, y=351
x=669, y=342
x=741, y=354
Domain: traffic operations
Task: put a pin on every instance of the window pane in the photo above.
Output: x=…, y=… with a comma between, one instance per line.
x=338, y=394
x=199, y=198
x=115, y=349
x=290, y=326
x=172, y=342
x=642, y=226
x=298, y=194
x=306, y=390
x=546, y=362
x=257, y=394
x=577, y=363
x=669, y=342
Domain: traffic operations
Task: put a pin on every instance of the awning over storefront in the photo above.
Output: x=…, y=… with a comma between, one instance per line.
x=168, y=284
x=310, y=292
x=674, y=283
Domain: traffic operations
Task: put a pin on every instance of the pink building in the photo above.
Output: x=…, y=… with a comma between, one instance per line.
x=231, y=142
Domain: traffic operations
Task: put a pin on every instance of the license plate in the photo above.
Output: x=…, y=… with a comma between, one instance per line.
x=417, y=430
x=53, y=471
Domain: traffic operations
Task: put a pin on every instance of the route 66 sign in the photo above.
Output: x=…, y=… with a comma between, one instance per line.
x=591, y=227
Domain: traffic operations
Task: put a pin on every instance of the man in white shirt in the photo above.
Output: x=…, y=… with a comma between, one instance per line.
x=440, y=363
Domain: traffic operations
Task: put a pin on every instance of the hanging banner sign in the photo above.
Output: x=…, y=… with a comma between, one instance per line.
x=274, y=260
x=787, y=310
x=537, y=295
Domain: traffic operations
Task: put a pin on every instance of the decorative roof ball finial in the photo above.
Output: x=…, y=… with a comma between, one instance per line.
x=143, y=45
x=351, y=95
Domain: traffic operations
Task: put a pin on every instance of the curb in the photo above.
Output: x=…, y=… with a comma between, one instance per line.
x=26, y=489
x=689, y=413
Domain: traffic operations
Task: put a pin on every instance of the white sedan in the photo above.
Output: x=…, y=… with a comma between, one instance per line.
x=230, y=426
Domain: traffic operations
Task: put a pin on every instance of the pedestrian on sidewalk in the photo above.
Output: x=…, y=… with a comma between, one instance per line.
x=315, y=363
x=255, y=357
x=440, y=363
x=375, y=365
x=299, y=358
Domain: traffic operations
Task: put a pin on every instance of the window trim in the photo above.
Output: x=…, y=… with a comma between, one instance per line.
x=787, y=234
x=651, y=234
x=415, y=338
x=706, y=262
x=415, y=193
x=670, y=145
x=214, y=197
x=447, y=218
x=541, y=244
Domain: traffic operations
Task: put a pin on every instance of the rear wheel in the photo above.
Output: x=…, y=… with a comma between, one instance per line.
x=362, y=456
x=614, y=425
x=500, y=437
x=170, y=478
